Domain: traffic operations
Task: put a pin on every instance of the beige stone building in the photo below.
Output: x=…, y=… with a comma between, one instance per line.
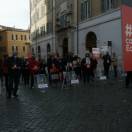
x=42, y=27
x=14, y=40
x=75, y=26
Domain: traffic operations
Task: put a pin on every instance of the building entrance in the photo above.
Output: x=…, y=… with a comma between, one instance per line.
x=65, y=47
x=91, y=41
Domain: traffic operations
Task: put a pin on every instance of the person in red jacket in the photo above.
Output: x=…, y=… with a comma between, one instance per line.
x=33, y=66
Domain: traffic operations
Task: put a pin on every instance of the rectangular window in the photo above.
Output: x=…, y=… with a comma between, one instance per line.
x=23, y=48
x=85, y=9
x=21, y=37
x=25, y=37
x=12, y=48
x=12, y=37
x=108, y=4
x=16, y=37
x=16, y=48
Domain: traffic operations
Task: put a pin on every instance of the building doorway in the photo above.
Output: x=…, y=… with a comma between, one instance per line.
x=65, y=47
x=48, y=49
x=91, y=41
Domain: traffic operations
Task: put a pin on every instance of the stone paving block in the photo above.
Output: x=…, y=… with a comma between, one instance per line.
x=101, y=106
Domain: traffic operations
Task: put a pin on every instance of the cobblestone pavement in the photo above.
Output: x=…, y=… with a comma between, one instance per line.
x=102, y=106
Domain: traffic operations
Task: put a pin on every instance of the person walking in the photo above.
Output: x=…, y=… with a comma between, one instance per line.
x=14, y=68
x=25, y=72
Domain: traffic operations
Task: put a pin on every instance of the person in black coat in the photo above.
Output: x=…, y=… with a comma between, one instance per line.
x=106, y=63
x=14, y=65
x=93, y=66
x=86, y=68
x=128, y=79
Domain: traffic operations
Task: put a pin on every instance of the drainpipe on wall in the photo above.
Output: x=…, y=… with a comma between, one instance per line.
x=77, y=29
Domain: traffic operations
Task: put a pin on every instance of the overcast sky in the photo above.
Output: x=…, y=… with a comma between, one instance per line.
x=14, y=13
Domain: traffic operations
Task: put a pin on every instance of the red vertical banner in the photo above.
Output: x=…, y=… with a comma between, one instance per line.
x=127, y=37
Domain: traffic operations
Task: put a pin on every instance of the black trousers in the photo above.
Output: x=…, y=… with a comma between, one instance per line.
x=86, y=75
x=115, y=71
x=1, y=80
x=128, y=78
x=106, y=70
x=31, y=80
x=6, y=80
x=14, y=80
x=26, y=76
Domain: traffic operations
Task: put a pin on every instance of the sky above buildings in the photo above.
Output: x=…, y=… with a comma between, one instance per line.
x=15, y=13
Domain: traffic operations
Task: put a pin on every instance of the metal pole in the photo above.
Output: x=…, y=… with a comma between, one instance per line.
x=77, y=29
x=14, y=40
x=36, y=34
x=52, y=24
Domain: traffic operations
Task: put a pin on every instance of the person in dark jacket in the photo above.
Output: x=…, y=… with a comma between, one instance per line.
x=14, y=69
x=25, y=72
x=106, y=63
x=85, y=66
x=128, y=78
x=93, y=66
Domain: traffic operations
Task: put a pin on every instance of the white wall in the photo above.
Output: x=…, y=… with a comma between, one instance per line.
x=42, y=42
x=106, y=27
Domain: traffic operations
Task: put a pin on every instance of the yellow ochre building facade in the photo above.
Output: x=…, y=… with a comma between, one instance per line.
x=14, y=40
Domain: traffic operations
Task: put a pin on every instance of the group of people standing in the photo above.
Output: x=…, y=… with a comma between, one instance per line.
x=14, y=69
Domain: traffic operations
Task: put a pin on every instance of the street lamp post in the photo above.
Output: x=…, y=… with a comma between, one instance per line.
x=52, y=24
x=77, y=28
x=53, y=33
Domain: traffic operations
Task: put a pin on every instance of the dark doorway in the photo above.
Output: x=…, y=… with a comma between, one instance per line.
x=91, y=41
x=65, y=47
x=48, y=49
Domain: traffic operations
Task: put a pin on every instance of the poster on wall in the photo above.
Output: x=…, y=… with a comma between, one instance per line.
x=127, y=37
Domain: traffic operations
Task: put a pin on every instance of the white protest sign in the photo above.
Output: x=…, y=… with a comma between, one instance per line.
x=96, y=52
